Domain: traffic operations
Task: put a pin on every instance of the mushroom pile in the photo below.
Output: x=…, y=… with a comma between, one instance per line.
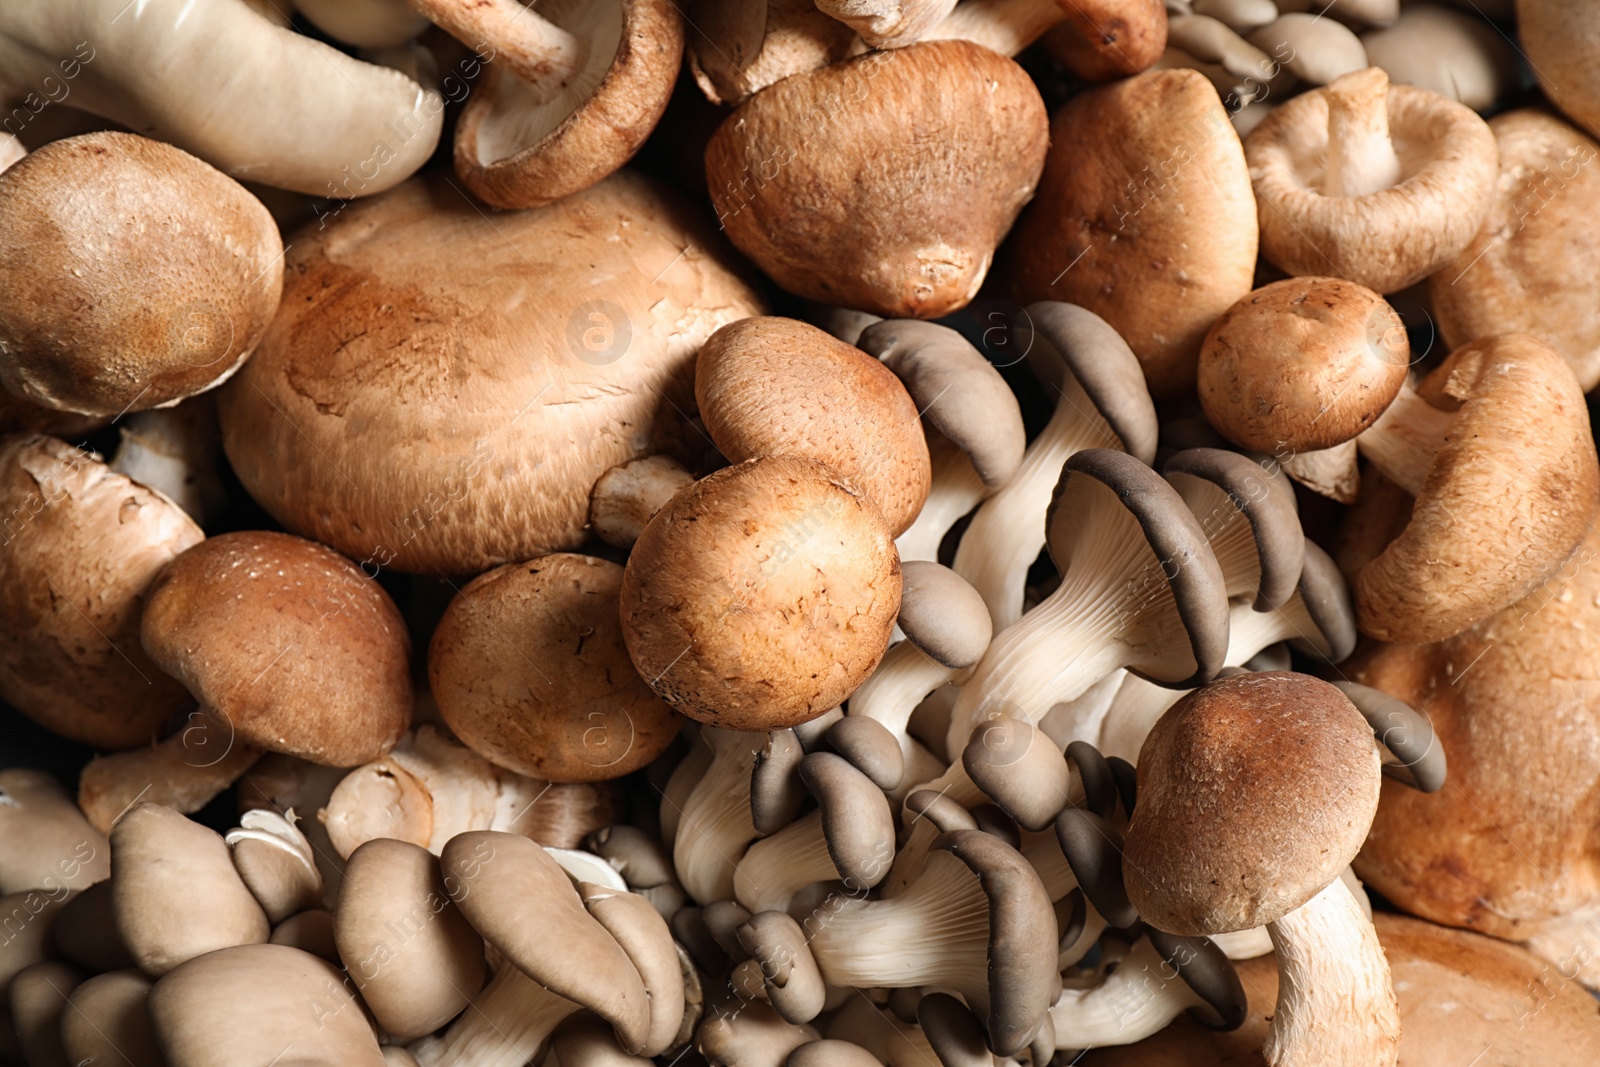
x=799, y=533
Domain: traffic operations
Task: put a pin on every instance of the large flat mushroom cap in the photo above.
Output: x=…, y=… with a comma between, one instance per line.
x=1254, y=793
x=1158, y=258
x=1532, y=266
x=1508, y=497
x=425, y=417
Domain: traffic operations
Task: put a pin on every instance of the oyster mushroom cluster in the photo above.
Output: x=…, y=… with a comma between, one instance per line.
x=799, y=533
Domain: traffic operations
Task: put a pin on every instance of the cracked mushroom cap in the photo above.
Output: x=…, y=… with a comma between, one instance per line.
x=446, y=422
x=768, y=386
x=529, y=670
x=1507, y=498
x=81, y=546
x=498, y=880
x=1559, y=40
x=762, y=596
x=132, y=275
x=252, y=1003
x=412, y=956
x=1528, y=268
x=1302, y=364
x=1255, y=792
x=1158, y=261
x=1379, y=184
x=523, y=143
x=288, y=642
x=812, y=179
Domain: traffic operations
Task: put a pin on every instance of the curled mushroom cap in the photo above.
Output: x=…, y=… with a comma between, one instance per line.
x=467, y=431
x=1559, y=41
x=529, y=670
x=1375, y=183
x=713, y=592
x=238, y=1005
x=1302, y=364
x=45, y=842
x=80, y=547
x=777, y=387
x=288, y=642
x=330, y=126
x=161, y=860
x=1497, y=447
x=535, y=132
x=1185, y=246
x=826, y=200
x=1524, y=271
x=275, y=861
x=133, y=274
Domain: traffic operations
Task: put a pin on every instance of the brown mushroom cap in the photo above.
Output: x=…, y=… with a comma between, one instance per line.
x=762, y=596
x=1401, y=220
x=1103, y=40
x=1254, y=793
x=1185, y=236
x=133, y=274
x=777, y=387
x=813, y=181
x=1527, y=270
x=1508, y=496
x=529, y=670
x=794, y=985
x=45, y=842
x=524, y=145
x=81, y=546
x=106, y=1022
x=1559, y=40
x=251, y=1003
x=164, y=859
x=410, y=953
x=1302, y=364
x=286, y=640
x=447, y=422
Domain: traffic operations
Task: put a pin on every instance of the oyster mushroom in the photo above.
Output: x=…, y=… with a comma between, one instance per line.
x=1445, y=51
x=45, y=842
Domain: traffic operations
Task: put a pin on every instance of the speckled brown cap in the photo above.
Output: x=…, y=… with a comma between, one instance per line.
x=287, y=641
x=770, y=386
x=131, y=274
x=761, y=596
x=1254, y=793
x=1302, y=364
x=529, y=670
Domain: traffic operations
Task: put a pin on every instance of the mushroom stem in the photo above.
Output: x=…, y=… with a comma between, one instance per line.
x=904, y=678
x=1336, y=1004
x=536, y=50
x=1405, y=439
x=507, y=1025
x=956, y=490
x=1004, y=26
x=11, y=150
x=715, y=826
x=777, y=867
x=626, y=497
x=1138, y=999
x=184, y=772
x=1361, y=157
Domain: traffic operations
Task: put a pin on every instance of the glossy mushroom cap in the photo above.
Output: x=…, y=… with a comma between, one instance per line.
x=1375, y=183
x=251, y=1003
x=762, y=596
x=1302, y=364
x=133, y=274
x=1506, y=498
x=777, y=387
x=1185, y=245
x=80, y=533
x=45, y=842
x=829, y=203
x=447, y=422
x=1254, y=793
x=1524, y=271
x=529, y=670
x=288, y=642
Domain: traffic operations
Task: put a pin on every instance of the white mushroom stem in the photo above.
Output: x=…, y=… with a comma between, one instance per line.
x=1336, y=1004
x=685, y=777
x=1008, y=531
x=11, y=150
x=777, y=867
x=714, y=827
x=1005, y=26
x=1361, y=157
x=956, y=490
x=535, y=49
x=1136, y=1000
x=935, y=933
x=1406, y=437
x=903, y=679
x=506, y=1025
x=176, y=451
x=888, y=23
